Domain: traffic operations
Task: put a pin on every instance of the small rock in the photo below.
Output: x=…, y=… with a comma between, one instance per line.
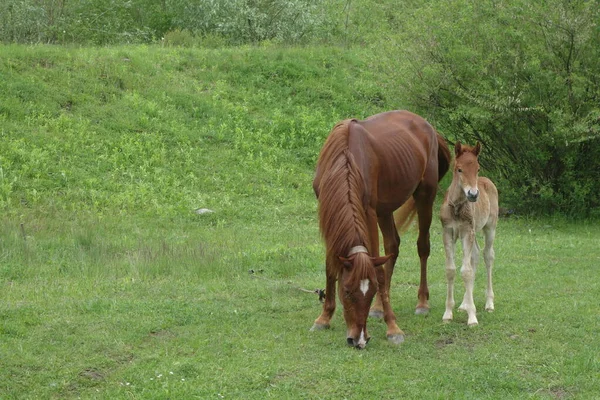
x=201, y=211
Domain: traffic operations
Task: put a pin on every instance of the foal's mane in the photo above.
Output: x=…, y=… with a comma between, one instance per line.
x=465, y=148
x=341, y=212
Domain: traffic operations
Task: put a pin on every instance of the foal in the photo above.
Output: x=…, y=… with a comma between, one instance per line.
x=470, y=205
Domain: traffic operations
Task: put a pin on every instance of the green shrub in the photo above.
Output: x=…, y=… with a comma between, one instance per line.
x=522, y=79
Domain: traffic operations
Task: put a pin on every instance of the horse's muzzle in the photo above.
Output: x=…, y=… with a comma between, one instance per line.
x=355, y=343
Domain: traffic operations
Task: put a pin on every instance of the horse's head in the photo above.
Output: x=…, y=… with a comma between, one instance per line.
x=466, y=169
x=357, y=286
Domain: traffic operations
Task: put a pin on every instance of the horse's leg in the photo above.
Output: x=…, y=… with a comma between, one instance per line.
x=377, y=307
x=449, y=247
x=394, y=334
x=391, y=244
x=468, y=275
x=424, y=203
x=488, y=257
x=382, y=307
x=328, y=305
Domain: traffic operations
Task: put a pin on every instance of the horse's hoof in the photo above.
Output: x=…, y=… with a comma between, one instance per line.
x=395, y=338
x=376, y=314
x=319, y=327
x=473, y=324
x=422, y=311
x=447, y=317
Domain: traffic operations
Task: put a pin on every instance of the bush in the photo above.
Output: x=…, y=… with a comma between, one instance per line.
x=101, y=22
x=520, y=77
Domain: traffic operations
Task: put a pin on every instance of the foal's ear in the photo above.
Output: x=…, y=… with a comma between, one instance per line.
x=457, y=149
x=477, y=149
x=377, y=261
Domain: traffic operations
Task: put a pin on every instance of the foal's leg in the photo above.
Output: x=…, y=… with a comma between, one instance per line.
x=468, y=275
x=488, y=257
x=475, y=255
x=449, y=247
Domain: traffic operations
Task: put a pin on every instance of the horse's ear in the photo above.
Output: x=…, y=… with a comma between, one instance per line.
x=477, y=149
x=457, y=149
x=377, y=261
x=346, y=262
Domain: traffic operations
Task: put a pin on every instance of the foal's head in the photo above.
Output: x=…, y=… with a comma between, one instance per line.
x=357, y=287
x=466, y=169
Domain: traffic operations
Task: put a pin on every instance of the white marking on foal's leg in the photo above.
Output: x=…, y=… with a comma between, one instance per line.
x=364, y=286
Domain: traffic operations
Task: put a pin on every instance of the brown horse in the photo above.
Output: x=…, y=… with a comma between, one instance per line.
x=470, y=205
x=366, y=170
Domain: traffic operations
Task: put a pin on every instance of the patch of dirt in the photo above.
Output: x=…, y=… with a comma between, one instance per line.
x=92, y=374
x=161, y=333
x=559, y=393
x=441, y=343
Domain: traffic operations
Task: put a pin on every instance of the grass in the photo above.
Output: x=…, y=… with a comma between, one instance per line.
x=102, y=316
x=111, y=286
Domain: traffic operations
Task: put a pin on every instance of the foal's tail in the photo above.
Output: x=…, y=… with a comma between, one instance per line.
x=407, y=213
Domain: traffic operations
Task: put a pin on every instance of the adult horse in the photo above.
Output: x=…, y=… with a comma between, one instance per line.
x=366, y=170
x=470, y=206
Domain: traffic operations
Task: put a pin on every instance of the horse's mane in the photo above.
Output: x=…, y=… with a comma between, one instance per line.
x=341, y=213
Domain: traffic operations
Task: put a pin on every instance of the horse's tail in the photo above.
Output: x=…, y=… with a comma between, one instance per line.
x=407, y=213
x=444, y=157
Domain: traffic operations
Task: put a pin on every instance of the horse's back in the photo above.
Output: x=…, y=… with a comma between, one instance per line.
x=405, y=146
x=398, y=125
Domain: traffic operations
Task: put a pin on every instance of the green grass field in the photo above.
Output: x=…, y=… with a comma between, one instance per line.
x=111, y=286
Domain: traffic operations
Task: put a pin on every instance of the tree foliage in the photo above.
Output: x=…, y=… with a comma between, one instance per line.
x=522, y=78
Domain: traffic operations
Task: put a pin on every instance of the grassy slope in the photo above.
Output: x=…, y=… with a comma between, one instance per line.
x=114, y=288
x=144, y=128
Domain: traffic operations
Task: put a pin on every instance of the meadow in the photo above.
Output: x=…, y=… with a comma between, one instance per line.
x=113, y=286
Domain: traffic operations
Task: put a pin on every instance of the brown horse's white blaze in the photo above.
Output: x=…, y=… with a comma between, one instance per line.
x=366, y=170
x=470, y=206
